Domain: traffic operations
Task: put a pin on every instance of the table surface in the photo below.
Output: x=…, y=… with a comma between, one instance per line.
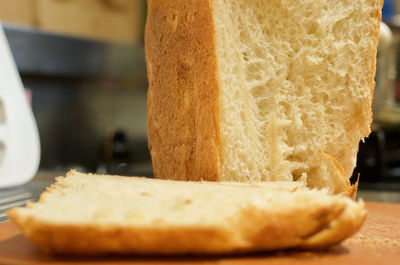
x=378, y=242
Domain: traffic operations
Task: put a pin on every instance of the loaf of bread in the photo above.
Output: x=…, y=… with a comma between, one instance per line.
x=100, y=214
x=276, y=90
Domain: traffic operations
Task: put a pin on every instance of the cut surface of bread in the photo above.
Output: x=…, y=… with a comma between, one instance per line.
x=258, y=90
x=99, y=214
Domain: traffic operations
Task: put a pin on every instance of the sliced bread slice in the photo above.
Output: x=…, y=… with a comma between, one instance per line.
x=98, y=214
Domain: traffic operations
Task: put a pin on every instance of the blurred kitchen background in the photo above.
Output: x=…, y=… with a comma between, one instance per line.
x=83, y=63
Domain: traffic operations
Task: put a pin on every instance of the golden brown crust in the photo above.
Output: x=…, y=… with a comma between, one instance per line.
x=256, y=231
x=91, y=239
x=182, y=100
x=350, y=220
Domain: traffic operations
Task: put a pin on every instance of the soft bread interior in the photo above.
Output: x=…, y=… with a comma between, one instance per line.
x=296, y=80
x=98, y=199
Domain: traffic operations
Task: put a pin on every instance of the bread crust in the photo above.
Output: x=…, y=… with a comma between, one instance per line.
x=183, y=90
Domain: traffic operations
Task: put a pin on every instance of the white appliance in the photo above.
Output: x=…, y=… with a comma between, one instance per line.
x=19, y=137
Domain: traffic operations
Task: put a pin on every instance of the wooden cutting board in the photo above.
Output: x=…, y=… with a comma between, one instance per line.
x=378, y=242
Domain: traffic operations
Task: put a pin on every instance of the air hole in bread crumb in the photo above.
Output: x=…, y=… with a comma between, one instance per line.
x=296, y=175
x=245, y=56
